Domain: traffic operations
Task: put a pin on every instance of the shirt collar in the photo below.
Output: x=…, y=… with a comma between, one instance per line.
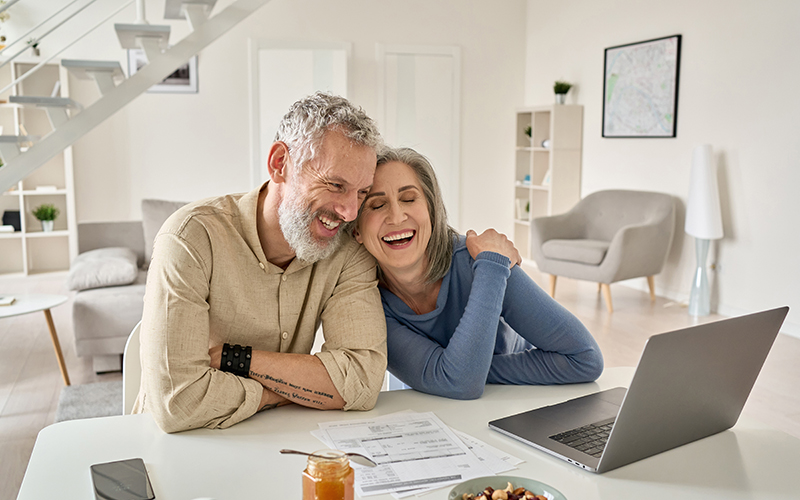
x=248, y=208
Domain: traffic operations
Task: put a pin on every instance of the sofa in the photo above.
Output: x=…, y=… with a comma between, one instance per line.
x=108, y=276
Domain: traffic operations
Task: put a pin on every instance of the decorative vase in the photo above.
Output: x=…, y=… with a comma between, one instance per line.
x=561, y=98
x=47, y=226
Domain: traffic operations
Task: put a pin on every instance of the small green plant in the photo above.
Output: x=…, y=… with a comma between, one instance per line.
x=4, y=16
x=34, y=44
x=46, y=211
x=561, y=87
x=528, y=130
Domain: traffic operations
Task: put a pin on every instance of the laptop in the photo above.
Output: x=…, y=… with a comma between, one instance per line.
x=689, y=384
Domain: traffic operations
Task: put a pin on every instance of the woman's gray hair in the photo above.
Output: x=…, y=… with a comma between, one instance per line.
x=303, y=127
x=440, y=246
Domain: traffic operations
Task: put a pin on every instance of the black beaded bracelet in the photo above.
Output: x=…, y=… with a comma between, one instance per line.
x=236, y=359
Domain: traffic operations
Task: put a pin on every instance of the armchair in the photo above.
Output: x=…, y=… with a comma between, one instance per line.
x=608, y=236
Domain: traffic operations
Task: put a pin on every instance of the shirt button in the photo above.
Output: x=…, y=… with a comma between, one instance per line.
x=285, y=335
x=261, y=265
x=283, y=277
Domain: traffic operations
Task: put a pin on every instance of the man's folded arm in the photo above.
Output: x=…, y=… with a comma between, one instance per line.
x=349, y=372
x=354, y=326
x=182, y=391
x=296, y=378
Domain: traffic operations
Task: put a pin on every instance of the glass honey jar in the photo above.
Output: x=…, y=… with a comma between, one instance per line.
x=328, y=476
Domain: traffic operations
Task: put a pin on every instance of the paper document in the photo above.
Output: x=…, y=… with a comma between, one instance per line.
x=495, y=459
x=413, y=451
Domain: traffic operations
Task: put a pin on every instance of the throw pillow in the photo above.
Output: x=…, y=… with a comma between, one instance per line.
x=103, y=267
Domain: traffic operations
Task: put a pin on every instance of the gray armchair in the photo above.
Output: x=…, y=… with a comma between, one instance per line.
x=608, y=236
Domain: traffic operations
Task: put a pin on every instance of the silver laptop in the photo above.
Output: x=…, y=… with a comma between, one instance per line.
x=689, y=384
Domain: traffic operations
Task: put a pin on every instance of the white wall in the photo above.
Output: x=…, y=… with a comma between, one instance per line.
x=740, y=65
x=738, y=71
x=188, y=146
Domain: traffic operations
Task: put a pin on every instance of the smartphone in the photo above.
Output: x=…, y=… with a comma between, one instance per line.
x=121, y=480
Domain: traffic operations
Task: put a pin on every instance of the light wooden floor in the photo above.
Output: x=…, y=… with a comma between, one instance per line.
x=30, y=382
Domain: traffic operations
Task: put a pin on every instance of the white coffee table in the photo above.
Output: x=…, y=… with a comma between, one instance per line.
x=29, y=303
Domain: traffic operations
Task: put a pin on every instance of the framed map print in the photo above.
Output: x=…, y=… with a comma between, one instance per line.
x=640, y=90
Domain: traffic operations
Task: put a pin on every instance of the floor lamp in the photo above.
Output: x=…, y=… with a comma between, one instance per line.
x=704, y=222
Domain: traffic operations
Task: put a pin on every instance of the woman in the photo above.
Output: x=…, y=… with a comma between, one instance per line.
x=459, y=312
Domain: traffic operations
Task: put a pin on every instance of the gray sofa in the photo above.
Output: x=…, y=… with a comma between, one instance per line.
x=109, y=278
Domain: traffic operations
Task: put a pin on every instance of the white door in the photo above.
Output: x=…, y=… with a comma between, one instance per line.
x=281, y=74
x=419, y=107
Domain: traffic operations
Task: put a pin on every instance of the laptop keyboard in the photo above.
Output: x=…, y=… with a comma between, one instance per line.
x=590, y=439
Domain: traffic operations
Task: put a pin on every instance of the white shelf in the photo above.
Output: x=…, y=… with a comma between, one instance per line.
x=37, y=251
x=35, y=192
x=562, y=127
x=48, y=234
x=532, y=186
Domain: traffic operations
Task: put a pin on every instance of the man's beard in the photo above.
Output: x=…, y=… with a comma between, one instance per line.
x=295, y=221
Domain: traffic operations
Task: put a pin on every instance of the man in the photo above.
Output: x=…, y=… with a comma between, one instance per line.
x=238, y=285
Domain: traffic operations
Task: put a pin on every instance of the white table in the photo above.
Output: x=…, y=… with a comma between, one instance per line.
x=30, y=303
x=750, y=461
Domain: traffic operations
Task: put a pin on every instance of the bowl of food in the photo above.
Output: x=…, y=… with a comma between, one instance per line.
x=504, y=488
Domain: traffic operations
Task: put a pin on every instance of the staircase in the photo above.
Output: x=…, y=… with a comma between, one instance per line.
x=70, y=120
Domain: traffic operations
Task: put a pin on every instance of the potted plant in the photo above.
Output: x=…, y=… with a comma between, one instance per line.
x=561, y=89
x=34, y=44
x=528, y=131
x=46, y=213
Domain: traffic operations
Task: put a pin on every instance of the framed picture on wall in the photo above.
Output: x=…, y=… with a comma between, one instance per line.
x=182, y=81
x=640, y=88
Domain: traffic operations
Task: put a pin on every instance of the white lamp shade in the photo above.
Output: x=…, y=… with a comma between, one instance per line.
x=703, y=214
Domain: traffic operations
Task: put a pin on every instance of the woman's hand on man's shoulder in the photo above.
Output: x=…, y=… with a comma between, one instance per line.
x=492, y=241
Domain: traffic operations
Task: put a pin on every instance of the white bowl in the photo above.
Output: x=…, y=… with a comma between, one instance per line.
x=479, y=484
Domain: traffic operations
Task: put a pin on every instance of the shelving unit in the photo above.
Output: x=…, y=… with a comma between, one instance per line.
x=547, y=179
x=31, y=250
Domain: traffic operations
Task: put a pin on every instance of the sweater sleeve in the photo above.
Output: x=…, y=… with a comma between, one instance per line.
x=565, y=351
x=458, y=370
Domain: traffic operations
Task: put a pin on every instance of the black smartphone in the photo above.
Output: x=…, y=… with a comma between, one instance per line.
x=121, y=480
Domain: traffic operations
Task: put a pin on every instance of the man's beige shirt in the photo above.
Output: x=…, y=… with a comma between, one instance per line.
x=209, y=283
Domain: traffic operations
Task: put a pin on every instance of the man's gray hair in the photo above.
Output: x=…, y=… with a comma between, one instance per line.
x=303, y=127
x=440, y=246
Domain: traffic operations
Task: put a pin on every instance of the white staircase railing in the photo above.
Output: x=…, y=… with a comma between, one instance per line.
x=19, y=165
x=40, y=37
x=36, y=68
